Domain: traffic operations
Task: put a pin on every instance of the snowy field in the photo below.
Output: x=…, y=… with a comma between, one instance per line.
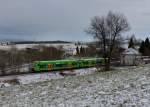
x=123, y=87
x=41, y=77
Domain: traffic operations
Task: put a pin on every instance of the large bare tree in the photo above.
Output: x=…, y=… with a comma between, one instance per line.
x=107, y=30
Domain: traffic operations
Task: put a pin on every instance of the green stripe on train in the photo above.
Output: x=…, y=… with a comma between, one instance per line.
x=66, y=64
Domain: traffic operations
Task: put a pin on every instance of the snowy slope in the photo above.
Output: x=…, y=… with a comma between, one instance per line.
x=124, y=87
x=34, y=78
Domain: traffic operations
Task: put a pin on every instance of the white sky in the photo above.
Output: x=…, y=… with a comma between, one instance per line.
x=66, y=19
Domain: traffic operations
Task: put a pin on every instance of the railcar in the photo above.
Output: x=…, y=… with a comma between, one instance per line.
x=66, y=64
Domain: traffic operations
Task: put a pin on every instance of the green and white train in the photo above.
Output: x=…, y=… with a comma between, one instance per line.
x=54, y=65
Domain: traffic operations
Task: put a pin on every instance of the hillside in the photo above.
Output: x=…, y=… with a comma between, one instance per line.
x=126, y=87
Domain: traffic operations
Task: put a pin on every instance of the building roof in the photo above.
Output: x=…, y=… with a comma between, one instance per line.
x=131, y=51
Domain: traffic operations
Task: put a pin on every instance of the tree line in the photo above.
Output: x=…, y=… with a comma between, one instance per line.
x=145, y=47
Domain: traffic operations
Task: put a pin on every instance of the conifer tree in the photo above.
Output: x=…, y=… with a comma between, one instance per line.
x=142, y=47
x=77, y=50
x=147, y=43
x=131, y=43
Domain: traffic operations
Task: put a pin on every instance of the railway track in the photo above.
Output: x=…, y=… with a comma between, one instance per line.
x=17, y=70
x=31, y=72
x=27, y=69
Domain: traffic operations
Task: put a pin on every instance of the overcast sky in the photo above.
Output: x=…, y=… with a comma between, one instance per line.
x=66, y=19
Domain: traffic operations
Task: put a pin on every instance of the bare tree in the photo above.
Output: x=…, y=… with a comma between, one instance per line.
x=108, y=30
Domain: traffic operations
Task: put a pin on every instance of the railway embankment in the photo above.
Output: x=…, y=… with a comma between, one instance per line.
x=128, y=86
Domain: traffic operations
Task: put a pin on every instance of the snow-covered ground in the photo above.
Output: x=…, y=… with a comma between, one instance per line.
x=40, y=77
x=24, y=46
x=123, y=87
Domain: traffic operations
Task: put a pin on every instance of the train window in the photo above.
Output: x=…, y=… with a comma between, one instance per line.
x=61, y=64
x=42, y=65
x=92, y=62
x=98, y=61
x=85, y=62
x=58, y=65
x=74, y=63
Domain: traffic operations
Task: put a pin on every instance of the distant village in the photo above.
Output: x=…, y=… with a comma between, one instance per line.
x=70, y=48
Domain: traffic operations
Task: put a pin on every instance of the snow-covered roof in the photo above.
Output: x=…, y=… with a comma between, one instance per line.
x=131, y=51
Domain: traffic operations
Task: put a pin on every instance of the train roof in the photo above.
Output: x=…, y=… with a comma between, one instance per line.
x=68, y=60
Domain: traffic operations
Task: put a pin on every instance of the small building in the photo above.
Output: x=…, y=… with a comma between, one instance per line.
x=131, y=57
